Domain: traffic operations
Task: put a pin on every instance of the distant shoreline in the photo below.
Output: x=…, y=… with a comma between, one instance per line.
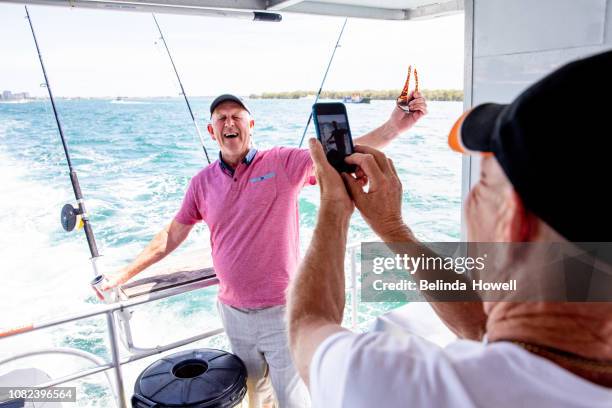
x=387, y=94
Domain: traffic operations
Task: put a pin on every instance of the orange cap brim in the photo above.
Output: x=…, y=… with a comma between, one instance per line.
x=454, y=138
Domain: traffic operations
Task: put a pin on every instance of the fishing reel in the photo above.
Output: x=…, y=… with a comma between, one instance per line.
x=71, y=218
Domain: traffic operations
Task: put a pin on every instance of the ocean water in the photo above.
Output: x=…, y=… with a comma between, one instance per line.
x=134, y=160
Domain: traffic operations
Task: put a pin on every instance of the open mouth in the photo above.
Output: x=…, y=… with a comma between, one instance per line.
x=231, y=135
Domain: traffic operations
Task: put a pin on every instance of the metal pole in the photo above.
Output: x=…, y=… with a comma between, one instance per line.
x=30, y=327
x=323, y=81
x=353, y=254
x=108, y=366
x=116, y=359
x=91, y=241
x=182, y=90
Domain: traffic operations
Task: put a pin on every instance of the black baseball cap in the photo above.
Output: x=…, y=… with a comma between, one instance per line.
x=554, y=142
x=227, y=97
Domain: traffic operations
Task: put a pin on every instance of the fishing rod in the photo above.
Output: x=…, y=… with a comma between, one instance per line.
x=323, y=81
x=70, y=215
x=195, y=123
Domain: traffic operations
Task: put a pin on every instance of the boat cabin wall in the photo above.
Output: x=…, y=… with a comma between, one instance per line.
x=511, y=44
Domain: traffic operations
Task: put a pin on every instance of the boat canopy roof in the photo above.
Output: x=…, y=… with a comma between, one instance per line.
x=375, y=9
x=255, y=9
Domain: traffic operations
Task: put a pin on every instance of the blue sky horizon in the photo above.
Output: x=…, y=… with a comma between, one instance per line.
x=91, y=53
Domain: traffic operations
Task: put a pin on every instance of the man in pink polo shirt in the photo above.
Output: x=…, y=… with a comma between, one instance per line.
x=249, y=200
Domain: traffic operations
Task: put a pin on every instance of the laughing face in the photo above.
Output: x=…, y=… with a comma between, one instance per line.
x=231, y=126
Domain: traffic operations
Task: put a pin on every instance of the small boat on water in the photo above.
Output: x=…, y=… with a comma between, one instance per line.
x=355, y=99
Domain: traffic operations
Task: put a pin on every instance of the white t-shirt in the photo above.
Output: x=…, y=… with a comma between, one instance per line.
x=381, y=370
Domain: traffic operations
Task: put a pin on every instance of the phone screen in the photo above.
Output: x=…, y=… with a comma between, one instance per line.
x=335, y=136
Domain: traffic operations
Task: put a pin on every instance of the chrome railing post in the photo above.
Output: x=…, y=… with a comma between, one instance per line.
x=353, y=254
x=114, y=345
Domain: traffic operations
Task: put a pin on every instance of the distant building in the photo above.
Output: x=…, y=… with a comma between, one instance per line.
x=10, y=96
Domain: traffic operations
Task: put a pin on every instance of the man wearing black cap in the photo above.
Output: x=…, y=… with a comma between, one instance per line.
x=249, y=200
x=543, y=179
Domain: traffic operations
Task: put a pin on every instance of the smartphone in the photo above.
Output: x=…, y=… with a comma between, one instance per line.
x=334, y=133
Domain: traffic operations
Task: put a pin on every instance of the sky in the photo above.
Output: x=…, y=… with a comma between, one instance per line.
x=98, y=53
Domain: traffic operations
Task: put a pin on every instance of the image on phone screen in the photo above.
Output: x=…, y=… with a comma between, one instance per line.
x=335, y=138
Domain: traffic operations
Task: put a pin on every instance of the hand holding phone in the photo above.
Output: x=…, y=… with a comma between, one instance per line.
x=334, y=133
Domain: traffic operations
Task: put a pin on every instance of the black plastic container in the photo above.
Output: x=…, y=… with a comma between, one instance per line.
x=202, y=378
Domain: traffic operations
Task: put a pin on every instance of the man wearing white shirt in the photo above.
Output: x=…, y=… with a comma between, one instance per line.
x=544, y=354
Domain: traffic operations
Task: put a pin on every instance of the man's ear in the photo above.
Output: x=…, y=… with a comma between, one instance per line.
x=211, y=131
x=252, y=124
x=517, y=222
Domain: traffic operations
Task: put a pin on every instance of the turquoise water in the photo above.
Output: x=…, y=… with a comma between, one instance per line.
x=134, y=160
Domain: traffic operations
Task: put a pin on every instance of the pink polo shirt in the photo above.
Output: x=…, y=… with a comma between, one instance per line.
x=253, y=220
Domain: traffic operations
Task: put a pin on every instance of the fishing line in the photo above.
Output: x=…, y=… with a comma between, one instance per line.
x=323, y=81
x=195, y=123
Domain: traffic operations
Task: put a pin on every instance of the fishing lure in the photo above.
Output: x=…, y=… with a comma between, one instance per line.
x=402, y=100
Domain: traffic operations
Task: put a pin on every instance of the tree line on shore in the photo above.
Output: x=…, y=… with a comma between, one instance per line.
x=388, y=94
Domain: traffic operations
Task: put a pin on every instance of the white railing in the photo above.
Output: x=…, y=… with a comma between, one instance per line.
x=115, y=309
x=120, y=313
x=352, y=255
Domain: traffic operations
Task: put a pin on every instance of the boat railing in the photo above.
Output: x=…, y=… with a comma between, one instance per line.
x=119, y=310
x=118, y=316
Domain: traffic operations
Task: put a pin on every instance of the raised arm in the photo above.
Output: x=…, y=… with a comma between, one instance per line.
x=381, y=209
x=166, y=241
x=398, y=123
x=316, y=295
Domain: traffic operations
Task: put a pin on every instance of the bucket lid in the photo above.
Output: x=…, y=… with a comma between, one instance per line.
x=202, y=378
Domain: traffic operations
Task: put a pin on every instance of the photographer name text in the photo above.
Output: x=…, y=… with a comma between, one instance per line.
x=441, y=285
